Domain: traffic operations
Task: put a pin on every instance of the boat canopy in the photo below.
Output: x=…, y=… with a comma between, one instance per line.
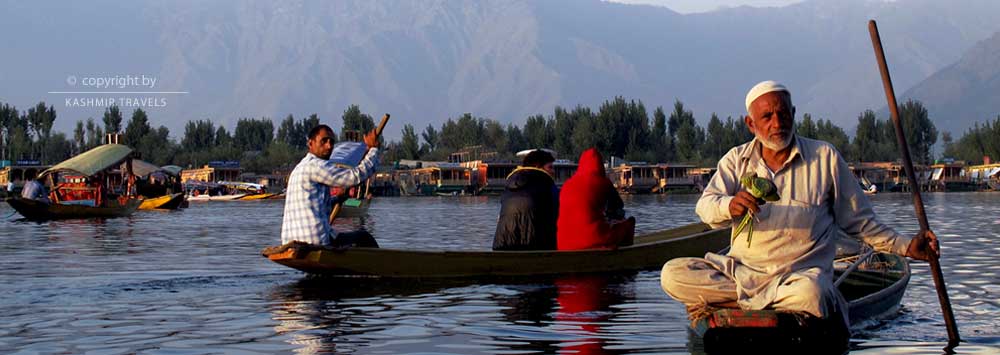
x=172, y=169
x=93, y=161
x=143, y=168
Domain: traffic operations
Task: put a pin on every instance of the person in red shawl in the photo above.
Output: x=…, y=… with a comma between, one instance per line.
x=590, y=213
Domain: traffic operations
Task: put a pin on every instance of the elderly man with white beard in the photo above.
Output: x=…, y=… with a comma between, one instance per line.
x=789, y=265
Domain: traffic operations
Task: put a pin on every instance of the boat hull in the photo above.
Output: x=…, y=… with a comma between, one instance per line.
x=262, y=196
x=648, y=252
x=870, y=295
x=38, y=211
x=166, y=202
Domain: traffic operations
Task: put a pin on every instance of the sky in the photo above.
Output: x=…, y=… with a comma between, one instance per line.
x=693, y=6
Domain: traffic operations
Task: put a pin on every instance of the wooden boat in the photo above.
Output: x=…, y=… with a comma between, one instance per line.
x=226, y=197
x=95, y=183
x=165, y=202
x=263, y=196
x=40, y=211
x=871, y=292
x=649, y=252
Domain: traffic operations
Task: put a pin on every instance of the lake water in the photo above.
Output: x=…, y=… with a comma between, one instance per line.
x=193, y=281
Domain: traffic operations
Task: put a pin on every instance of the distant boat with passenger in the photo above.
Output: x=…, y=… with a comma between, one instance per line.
x=95, y=183
x=649, y=251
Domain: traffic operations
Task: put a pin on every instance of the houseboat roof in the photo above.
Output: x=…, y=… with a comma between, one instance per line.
x=93, y=161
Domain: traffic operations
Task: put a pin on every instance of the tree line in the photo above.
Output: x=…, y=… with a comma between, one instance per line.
x=618, y=127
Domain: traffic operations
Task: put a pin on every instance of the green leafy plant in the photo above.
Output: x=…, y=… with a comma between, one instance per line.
x=761, y=189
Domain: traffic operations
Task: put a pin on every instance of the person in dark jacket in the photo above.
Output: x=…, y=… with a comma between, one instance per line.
x=529, y=206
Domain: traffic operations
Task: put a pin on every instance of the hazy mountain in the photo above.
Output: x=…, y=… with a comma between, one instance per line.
x=964, y=92
x=427, y=60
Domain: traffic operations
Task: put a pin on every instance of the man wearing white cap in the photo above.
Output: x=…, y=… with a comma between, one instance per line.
x=789, y=264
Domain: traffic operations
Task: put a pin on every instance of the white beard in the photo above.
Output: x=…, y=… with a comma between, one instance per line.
x=774, y=144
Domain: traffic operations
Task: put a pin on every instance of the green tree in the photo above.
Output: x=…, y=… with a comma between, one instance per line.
x=538, y=132
x=138, y=127
x=688, y=136
x=94, y=134
x=562, y=130
x=431, y=139
x=496, y=137
x=515, y=139
x=660, y=140
x=866, y=137
x=716, y=139
x=156, y=146
x=198, y=136
x=410, y=146
x=806, y=127
x=79, y=138
x=921, y=134
x=355, y=120
x=828, y=132
x=223, y=138
x=112, y=119
x=253, y=134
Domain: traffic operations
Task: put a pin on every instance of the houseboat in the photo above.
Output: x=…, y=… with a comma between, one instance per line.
x=985, y=176
x=676, y=177
x=635, y=178
x=950, y=176
x=442, y=179
x=491, y=177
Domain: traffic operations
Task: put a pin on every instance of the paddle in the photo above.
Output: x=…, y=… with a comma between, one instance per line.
x=918, y=203
x=378, y=132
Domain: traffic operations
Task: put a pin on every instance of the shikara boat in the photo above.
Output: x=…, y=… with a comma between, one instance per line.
x=873, y=291
x=649, y=252
x=165, y=202
x=40, y=211
x=159, y=187
x=95, y=183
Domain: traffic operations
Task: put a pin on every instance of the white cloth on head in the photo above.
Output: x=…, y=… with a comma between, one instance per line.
x=762, y=88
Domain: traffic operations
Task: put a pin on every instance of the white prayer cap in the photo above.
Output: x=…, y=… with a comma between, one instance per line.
x=762, y=88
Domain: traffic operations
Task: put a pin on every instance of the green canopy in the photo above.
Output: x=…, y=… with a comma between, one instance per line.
x=93, y=161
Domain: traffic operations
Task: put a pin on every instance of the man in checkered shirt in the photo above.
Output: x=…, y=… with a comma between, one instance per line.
x=308, y=201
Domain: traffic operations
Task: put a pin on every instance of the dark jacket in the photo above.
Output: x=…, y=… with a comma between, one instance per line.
x=529, y=207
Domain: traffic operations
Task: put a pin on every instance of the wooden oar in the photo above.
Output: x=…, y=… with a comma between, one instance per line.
x=378, y=132
x=918, y=203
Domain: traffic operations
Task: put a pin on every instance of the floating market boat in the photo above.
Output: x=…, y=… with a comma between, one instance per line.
x=648, y=252
x=873, y=291
x=95, y=183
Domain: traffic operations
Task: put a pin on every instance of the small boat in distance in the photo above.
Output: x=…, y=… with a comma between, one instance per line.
x=165, y=202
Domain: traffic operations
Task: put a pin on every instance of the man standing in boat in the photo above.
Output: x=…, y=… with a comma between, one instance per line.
x=307, y=199
x=788, y=264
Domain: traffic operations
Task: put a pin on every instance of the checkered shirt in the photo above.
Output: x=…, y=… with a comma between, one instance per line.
x=308, y=201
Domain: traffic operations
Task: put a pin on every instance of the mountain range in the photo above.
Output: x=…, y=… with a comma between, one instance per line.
x=427, y=60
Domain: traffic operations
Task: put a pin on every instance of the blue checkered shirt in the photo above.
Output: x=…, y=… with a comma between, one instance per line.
x=308, y=201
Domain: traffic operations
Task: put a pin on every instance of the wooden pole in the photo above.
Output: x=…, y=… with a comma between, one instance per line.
x=378, y=132
x=918, y=203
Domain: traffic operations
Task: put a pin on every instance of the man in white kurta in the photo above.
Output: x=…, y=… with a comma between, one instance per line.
x=789, y=264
